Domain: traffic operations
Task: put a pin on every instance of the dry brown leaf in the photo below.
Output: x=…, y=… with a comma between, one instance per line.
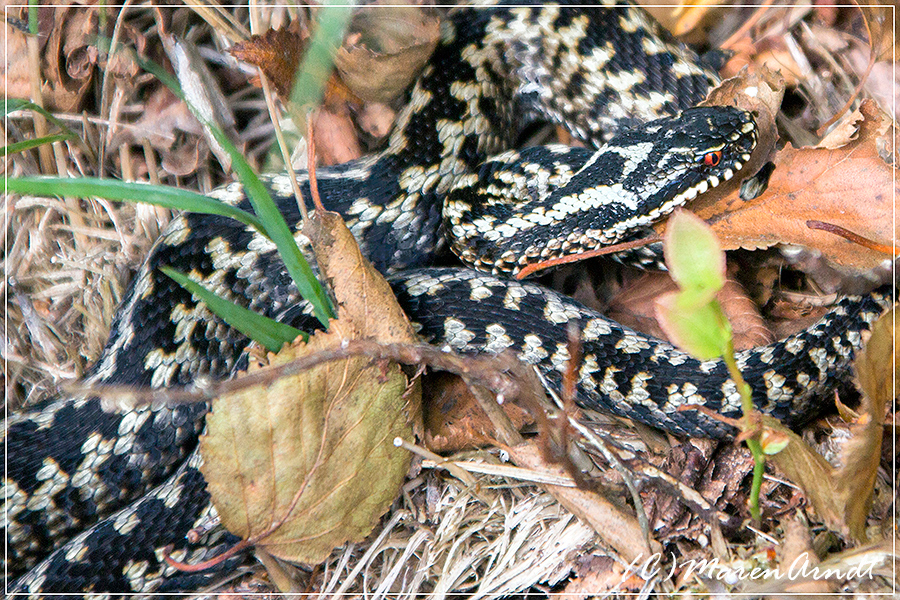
x=617, y=528
x=163, y=119
x=362, y=294
x=277, y=52
x=336, y=138
x=846, y=131
x=850, y=187
x=600, y=576
x=183, y=160
x=748, y=327
x=70, y=56
x=634, y=306
x=454, y=419
x=876, y=364
x=315, y=465
x=875, y=368
x=307, y=463
x=687, y=462
x=386, y=49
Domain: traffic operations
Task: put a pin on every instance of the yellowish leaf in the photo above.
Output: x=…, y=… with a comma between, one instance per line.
x=307, y=463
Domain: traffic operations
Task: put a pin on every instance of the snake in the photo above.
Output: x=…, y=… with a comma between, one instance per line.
x=92, y=499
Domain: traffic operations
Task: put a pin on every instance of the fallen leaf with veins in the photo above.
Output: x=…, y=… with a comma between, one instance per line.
x=850, y=186
x=304, y=463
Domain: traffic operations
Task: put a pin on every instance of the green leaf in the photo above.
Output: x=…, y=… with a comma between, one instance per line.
x=265, y=209
x=29, y=144
x=268, y=332
x=700, y=330
x=158, y=195
x=772, y=442
x=693, y=255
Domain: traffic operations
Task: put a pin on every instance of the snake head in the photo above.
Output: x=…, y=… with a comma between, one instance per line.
x=546, y=201
x=687, y=155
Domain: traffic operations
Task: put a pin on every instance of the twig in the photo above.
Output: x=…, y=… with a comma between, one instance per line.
x=439, y=461
x=506, y=432
x=572, y=258
x=487, y=371
x=311, y=165
x=853, y=237
x=282, y=144
x=753, y=20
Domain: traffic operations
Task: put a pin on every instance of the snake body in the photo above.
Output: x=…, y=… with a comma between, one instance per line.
x=122, y=487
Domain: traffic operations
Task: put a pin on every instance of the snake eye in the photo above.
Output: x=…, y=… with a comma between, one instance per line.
x=711, y=159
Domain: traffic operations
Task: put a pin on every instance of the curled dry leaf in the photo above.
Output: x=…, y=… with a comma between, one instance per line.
x=277, y=52
x=760, y=93
x=68, y=60
x=386, y=49
x=307, y=463
x=634, y=306
x=163, y=119
x=850, y=186
x=336, y=138
x=875, y=368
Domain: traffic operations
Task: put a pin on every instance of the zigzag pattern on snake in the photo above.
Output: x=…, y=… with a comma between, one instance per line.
x=121, y=487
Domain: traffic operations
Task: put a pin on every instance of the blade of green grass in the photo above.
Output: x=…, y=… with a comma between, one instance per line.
x=265, y=209
x=318, y=63
x=29, y=144
x=158, y=195
x=280, y=233
x=14, y=104
x=263, y=330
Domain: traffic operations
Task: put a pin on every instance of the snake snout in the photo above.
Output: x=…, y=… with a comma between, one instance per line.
x=704, y=147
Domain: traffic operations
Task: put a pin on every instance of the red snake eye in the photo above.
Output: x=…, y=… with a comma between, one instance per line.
x=712, y=159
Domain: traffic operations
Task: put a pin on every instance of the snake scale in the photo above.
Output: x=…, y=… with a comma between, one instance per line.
x=91, y=498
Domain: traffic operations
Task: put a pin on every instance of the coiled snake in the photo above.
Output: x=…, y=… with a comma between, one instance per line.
x=121, y=487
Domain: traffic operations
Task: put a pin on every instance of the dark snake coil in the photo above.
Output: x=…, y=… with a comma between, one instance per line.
x=120, y=487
